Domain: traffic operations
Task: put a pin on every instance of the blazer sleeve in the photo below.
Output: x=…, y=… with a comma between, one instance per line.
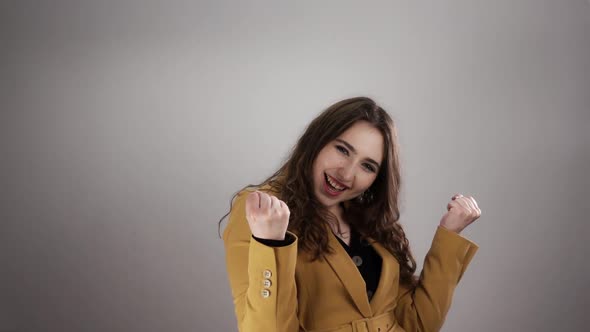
x=261, y=277
x=424, y=307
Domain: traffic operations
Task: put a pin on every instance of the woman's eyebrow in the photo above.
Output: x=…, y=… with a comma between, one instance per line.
x=351, y=148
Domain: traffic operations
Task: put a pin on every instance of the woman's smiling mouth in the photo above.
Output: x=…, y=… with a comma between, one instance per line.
x=334, y=187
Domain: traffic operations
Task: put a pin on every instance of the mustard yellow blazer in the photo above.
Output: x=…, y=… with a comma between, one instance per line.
x=278, y=289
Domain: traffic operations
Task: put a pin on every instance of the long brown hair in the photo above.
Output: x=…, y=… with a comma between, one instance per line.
x=376, y=217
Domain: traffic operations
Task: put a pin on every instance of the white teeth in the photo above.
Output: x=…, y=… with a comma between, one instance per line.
x=337, y=187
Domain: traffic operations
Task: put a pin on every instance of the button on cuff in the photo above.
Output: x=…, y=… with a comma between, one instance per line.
x=265, y=293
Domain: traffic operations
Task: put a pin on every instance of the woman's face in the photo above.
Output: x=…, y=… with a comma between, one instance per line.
x=348, y=165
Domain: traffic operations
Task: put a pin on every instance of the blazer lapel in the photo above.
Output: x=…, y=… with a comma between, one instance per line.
x=389, y=268
x=348, y=274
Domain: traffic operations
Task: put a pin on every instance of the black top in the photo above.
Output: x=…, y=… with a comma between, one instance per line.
x=360, y=251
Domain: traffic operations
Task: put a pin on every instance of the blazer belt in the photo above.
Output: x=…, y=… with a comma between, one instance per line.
x=383, y=323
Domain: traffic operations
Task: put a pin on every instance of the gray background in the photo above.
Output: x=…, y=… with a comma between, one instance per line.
x=126, y=127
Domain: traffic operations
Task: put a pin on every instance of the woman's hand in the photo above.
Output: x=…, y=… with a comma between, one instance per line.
x=461, y=211
x=268, y=217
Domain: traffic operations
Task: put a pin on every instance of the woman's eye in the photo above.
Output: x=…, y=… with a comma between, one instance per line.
x=369, y=167
x=342, y=149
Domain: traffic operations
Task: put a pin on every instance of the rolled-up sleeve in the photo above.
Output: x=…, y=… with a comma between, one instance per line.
x=424, y=307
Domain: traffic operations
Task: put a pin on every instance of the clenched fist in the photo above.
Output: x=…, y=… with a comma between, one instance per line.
x=268, y=217
x=461, y=211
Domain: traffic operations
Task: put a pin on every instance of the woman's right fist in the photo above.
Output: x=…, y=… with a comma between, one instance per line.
x=268, y=217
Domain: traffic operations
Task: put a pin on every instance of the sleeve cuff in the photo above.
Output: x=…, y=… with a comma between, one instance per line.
x=454, y=236
x=455, y=248
x=289, y=239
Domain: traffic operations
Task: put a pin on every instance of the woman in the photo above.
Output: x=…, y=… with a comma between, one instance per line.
x=318, y=245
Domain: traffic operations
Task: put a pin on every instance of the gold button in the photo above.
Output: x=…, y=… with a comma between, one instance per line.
x=357, y=260
x=265, y=293
x=266, y=283
x=267, y=274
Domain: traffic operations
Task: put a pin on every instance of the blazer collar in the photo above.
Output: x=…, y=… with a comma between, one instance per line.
x=389, y=270
x=348, y=274
x=352, y=279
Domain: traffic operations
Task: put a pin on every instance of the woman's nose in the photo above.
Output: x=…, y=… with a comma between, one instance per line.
x=346, y=173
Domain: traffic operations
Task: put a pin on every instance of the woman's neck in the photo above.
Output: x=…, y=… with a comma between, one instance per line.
x=342, y=229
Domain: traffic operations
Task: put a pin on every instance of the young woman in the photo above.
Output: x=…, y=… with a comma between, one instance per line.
x=318, y=246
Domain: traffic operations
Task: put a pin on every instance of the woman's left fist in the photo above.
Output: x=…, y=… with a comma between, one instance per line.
x=461, y=211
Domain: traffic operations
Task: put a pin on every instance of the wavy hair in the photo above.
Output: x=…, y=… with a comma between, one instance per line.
x=377, y=218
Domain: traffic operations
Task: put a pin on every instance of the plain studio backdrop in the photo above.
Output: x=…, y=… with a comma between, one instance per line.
x=127, y=125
